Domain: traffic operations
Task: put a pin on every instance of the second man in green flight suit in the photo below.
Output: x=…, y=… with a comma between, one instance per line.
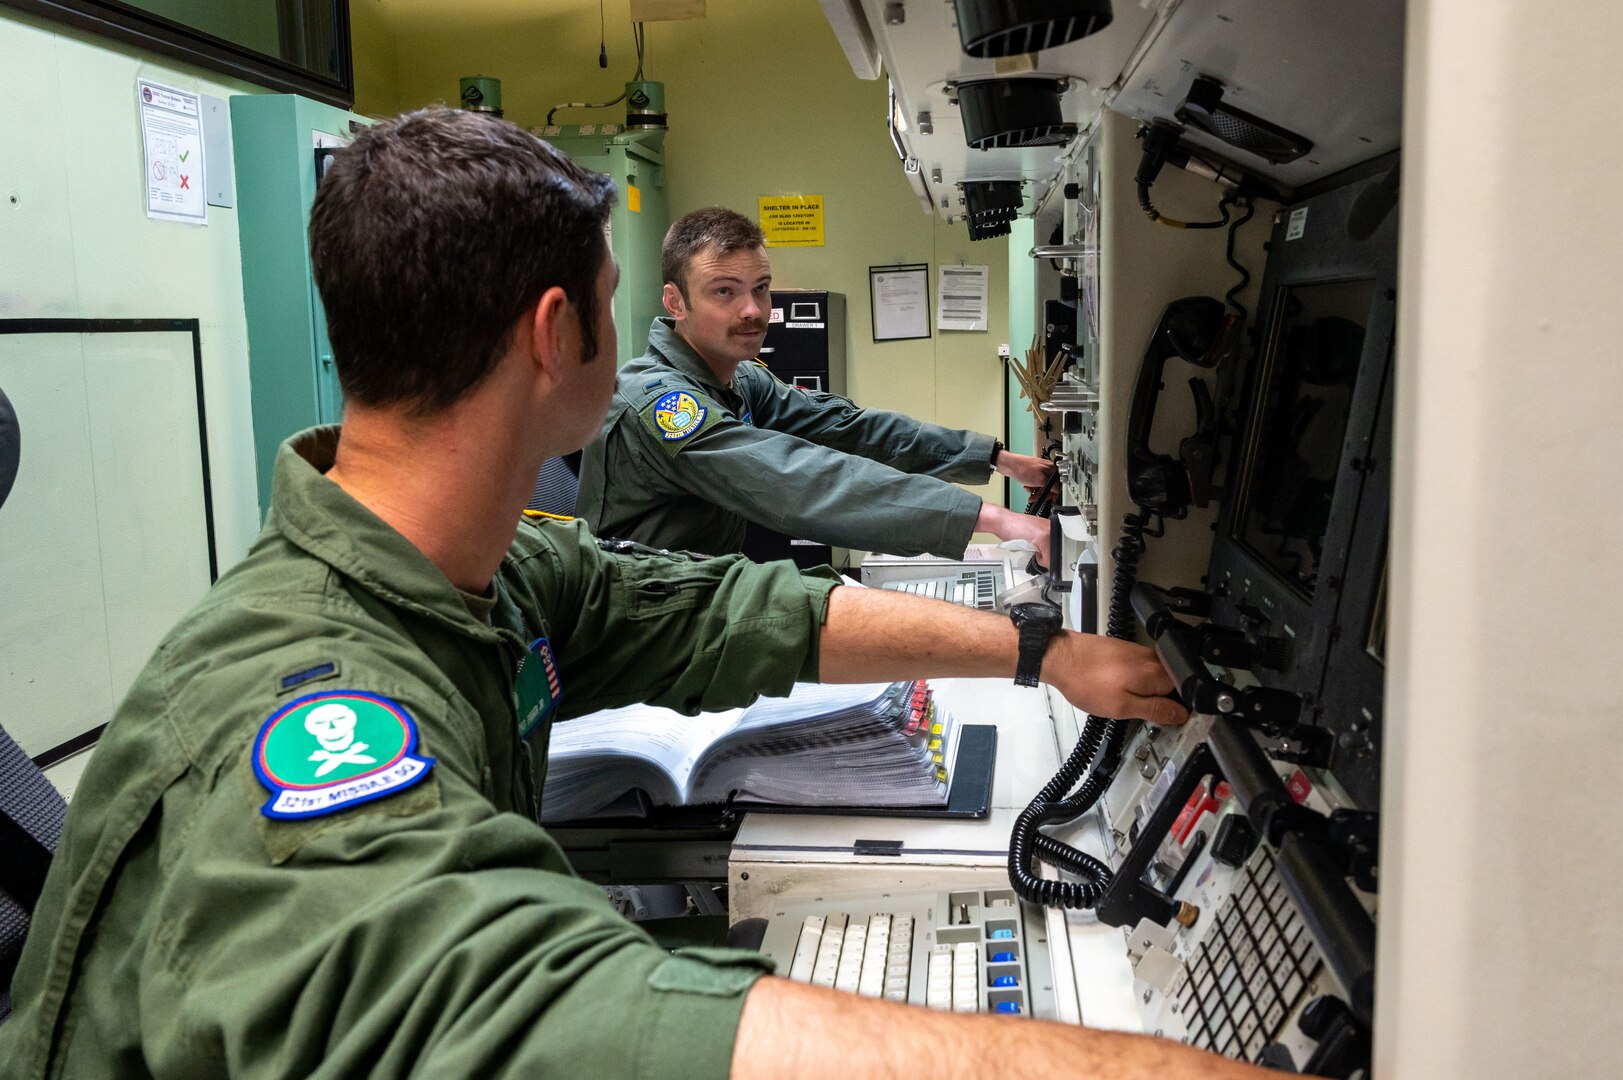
x=701, y=438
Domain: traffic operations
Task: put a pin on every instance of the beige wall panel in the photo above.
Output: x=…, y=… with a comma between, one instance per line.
x=1501, y=939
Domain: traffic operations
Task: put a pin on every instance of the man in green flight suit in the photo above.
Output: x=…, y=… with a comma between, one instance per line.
x=307, y=844
x=701, y=437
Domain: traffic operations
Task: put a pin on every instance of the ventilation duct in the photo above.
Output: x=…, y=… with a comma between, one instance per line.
x=989, y=29
x=1000, y=113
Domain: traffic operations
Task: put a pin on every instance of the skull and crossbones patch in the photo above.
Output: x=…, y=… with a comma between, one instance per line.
x=333, y=750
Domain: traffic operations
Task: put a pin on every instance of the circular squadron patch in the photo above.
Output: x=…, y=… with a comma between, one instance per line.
x=336, y=749
x=678, y=415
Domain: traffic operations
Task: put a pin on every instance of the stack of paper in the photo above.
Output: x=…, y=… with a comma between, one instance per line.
x=871, y=745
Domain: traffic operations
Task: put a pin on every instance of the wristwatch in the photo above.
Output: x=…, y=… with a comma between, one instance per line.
x=997, y=448
x=1037, y=623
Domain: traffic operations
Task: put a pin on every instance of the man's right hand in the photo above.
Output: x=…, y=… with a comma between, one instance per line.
x=1108, y=677
x=872, y=635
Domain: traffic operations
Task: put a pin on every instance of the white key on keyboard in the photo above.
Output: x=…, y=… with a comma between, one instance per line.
x=899, y=958
x=965, y=977
x=872, y=983
x=828, y=950
x=811, y=932
x=849, y=972
x=938, y=988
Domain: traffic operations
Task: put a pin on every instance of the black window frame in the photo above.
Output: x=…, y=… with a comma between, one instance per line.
x=134, y=26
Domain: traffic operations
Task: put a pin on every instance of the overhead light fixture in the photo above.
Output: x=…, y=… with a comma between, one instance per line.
x=989, y=29
x=1023, y=111
x=991, y=206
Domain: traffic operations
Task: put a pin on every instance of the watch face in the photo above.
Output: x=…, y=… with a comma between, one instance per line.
x=1037, y=615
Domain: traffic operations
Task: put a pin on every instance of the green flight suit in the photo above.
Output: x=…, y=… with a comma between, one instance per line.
x=808, y=464
x=437, y=931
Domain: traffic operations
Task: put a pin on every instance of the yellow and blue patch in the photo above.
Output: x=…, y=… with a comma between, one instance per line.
x=675, y=417
x=678, y=415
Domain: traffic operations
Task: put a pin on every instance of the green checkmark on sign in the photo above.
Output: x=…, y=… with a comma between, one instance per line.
x=186, y=155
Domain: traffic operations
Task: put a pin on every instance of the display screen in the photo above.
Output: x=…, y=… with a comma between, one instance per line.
x=1310, y=365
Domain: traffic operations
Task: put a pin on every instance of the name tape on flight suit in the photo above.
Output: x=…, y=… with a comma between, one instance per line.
x=329, y=751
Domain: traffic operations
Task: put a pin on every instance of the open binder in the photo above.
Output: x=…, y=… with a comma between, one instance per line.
x=876, y=748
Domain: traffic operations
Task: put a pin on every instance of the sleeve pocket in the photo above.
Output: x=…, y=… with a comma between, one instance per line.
x=714, y=972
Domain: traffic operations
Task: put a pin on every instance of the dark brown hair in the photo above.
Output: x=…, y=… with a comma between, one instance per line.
x=716, y=227
x=432, y=234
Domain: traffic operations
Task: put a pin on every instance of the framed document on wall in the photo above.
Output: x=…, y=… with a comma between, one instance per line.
x=900, y=301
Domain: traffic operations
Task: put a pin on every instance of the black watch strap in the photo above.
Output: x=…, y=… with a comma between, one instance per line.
x=997, y=448
x=1037, y=625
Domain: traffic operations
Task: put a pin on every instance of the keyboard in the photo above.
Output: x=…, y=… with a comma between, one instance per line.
x=1251, y=971
x=976, y=588
x=961, y=951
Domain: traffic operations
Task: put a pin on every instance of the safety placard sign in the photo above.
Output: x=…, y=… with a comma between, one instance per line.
x=172, y=136
x=792, y=220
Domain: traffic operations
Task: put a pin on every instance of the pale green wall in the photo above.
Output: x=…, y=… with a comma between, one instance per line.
x=762, y=102
x=75, y=241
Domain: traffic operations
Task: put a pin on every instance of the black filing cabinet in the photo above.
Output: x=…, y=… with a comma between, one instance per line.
x=805, y=347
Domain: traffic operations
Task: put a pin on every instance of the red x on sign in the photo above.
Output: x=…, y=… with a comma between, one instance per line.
x=183, y=183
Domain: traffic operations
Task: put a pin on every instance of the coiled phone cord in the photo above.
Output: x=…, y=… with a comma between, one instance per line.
x=1099, y=745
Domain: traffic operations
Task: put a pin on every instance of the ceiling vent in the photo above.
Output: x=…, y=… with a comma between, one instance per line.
x=1000, y=113
x=1205, y=109
x=989, y=29
x=990, y=206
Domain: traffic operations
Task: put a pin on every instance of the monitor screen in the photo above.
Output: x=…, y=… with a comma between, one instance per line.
x=1310, y=365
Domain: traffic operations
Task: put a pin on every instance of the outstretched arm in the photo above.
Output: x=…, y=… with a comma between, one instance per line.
x=872, y=635
x=792, y=1031
x=1012, y=525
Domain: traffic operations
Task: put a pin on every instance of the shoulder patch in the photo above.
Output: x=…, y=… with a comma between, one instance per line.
x=335, y=749
x=678, y=414
x=675, y=417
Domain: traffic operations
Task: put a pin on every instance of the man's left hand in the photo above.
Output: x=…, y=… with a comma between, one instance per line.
x=1032, y=472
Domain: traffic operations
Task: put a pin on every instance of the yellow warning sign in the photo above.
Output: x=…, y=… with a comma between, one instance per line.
x=634, y=198
x=792, y=220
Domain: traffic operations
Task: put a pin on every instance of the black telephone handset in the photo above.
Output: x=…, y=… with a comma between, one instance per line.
x=1198, y=330
x=1041, y=502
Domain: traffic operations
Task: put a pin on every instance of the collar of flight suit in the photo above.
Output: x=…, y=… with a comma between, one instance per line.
x=319, y=517
x=675, y=351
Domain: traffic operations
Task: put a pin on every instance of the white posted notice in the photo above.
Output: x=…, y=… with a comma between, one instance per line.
x=172, y=134
x=961, y=293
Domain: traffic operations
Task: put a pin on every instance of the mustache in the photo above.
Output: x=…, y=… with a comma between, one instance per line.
x=749, y=327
